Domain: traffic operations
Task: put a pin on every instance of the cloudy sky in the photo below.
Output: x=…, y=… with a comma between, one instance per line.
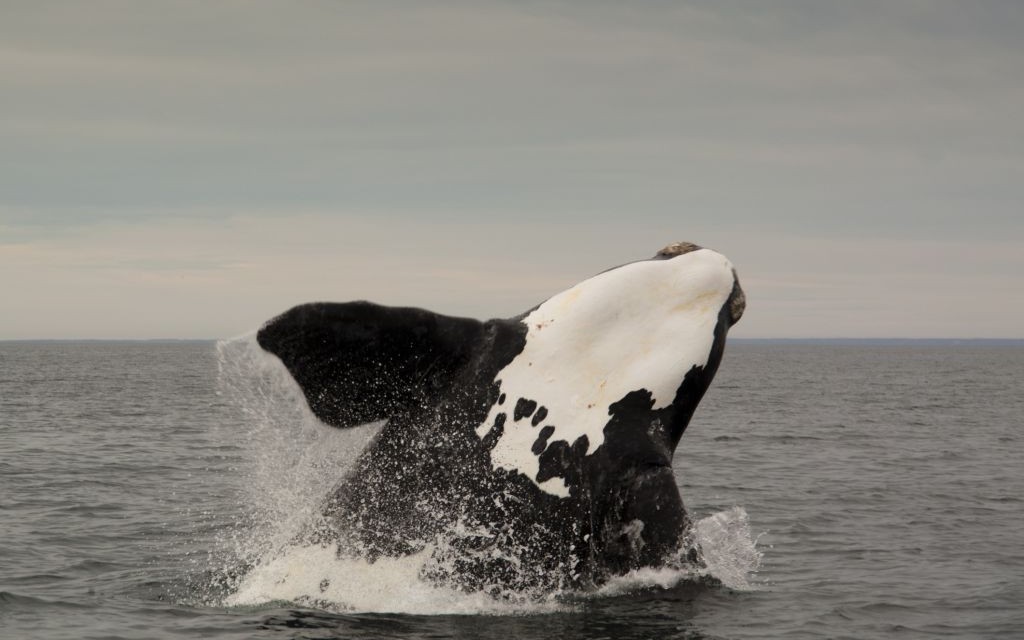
x=177, y=169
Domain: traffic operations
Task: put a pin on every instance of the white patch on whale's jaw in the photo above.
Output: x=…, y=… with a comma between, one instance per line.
x=640, y=326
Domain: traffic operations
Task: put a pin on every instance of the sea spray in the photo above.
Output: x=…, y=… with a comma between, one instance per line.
x=294, y=461
x=317, y=576
x=728, y=555
x=728, y=549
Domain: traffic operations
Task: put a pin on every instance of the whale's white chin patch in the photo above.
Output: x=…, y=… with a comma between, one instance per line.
x=640, y=326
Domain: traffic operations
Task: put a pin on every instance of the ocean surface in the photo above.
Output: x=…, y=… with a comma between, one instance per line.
x=149, y=490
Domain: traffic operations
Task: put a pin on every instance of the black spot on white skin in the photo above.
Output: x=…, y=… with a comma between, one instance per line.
x=562, y=460
x=542, y=440
x=539, y=416
x=492, y=437
x=501, y=399
x=524, y=409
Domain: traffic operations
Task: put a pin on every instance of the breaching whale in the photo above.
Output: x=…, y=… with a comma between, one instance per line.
x=521, y=453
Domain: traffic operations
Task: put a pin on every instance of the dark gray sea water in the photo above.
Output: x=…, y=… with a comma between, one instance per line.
x=841, y=491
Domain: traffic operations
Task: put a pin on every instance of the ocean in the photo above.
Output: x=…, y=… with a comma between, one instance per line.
x=150, y=490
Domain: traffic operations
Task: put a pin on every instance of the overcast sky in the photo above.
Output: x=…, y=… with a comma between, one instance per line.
x=176, y=169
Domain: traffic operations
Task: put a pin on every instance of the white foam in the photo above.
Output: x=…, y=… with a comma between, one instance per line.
x=639, y=326
x=317, y=576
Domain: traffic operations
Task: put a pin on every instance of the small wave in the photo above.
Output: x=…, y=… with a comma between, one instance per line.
x=90, y=567
x=35, y=579
x=16, y=602
x=93, y=510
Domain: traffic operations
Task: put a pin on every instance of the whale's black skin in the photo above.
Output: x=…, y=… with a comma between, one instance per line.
x=428, y=477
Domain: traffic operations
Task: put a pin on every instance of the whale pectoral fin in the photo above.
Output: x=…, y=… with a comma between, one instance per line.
x=358, y=362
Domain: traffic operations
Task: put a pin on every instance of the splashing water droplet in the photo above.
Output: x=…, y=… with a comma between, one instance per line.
x=727, y=547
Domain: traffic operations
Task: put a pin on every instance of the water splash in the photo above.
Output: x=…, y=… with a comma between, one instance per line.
x=728, y=554
x=728, y=548
x=295, y=462
x=317, y=577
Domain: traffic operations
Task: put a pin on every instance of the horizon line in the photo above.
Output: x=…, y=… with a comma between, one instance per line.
x=737, y=339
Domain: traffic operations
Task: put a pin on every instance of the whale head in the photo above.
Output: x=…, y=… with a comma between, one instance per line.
x=642, y=338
